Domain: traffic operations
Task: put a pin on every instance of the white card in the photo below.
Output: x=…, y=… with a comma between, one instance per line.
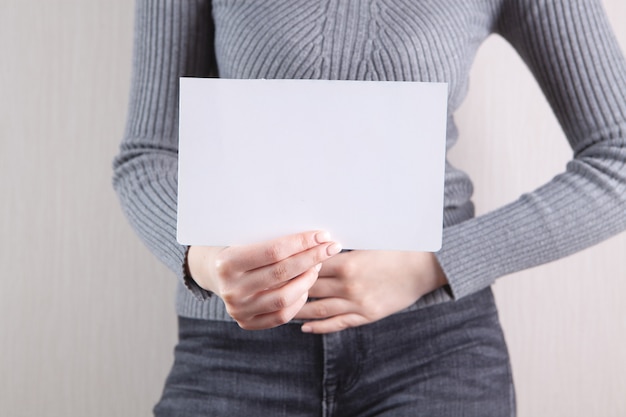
x=259, y=159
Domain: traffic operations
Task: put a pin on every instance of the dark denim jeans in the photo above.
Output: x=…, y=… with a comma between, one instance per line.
x=445, y=360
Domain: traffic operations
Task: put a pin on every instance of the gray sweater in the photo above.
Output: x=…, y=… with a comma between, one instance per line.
x=567, y=44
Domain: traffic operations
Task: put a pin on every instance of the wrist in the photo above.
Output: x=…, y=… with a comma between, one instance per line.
x=200, y=266
x=428, y=272
x=440, y=278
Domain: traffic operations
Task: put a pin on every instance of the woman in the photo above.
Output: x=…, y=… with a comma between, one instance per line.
x=388, y=333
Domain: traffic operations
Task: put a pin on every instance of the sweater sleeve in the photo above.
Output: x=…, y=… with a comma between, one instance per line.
x=173, y=38
x=570, y=49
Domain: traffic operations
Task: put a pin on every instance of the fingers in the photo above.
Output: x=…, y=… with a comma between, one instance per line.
x=273, y=300
x=330, y=315
x=278, y=318
x=334, y=324
x=274, y=275
x=257, y=255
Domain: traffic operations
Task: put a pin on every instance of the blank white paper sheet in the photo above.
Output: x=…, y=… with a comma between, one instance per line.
x=259, y=159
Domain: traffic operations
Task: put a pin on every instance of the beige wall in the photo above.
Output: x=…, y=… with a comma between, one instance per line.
x=87, y=324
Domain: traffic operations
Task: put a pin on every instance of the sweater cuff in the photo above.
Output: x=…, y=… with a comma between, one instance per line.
x=470, y=256
x=198, y=292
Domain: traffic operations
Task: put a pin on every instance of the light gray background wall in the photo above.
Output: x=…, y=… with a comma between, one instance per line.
x=87, y=324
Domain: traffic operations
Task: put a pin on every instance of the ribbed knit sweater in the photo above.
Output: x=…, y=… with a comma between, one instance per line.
x=567, y=44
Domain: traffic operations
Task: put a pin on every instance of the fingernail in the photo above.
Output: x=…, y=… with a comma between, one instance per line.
x=318, y=267
x=306, y=329
x=322, y=237
x=334, y=249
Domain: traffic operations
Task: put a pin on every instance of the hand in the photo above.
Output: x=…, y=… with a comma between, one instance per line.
x=361, y=287
x=263, y=285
